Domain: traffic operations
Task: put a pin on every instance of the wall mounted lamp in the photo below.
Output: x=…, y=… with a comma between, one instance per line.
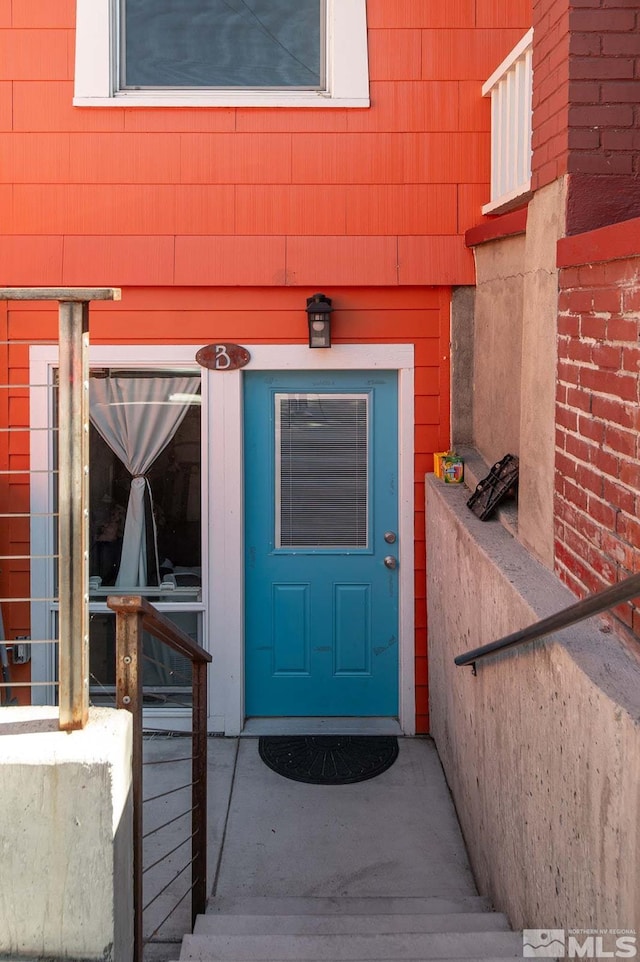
x=319, y=315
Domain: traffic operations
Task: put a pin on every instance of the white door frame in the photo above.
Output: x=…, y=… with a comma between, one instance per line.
x=222, y=486
x=227, y=523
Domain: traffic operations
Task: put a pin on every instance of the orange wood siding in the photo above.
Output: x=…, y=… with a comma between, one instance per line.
x=200, y=315
x=399, y=182
x=211, y=218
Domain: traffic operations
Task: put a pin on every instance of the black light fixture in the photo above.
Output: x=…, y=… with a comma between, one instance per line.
x=319, y=315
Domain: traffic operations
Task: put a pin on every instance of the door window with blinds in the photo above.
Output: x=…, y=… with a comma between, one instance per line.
x=263, y=44
x=322, y=471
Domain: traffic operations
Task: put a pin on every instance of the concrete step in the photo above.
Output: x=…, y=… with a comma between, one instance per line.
x=351, y=947
x=345, y=905
x=333, y=924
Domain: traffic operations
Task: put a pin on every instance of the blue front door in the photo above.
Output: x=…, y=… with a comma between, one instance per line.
x=321, y=515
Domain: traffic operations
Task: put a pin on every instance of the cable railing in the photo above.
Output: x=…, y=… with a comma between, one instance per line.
x=47, y=604
x=594, y=604
x=134, y=617
x=58, y=672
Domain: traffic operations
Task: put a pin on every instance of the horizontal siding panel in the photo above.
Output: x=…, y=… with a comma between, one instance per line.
x=46, y=105
x=204, y=209
x=30, y=261
x=182, y=120
x=427, y=410
x=33, y=323
x=402, y=209
x=435, y=260
x=41, y=158
x=475, y=110
x=427, y=438
x=235, y=158
x=395, y=55
x=124, y=158
x=320, y=261
x=44, y=13
x=368, y=324
x=471, y=197
x=450, y=158
x=409, y=105
x=349, y=159
x=421, y=13
x=230, y=299
x=298, y=120
x=427, y=381
x=202, y=327
x=94, y=209
x=291, y=209
x=466, y=54
x=34, y=55
x=506, y=13
x=5, y=13
x=117, y=261
x=230, y=260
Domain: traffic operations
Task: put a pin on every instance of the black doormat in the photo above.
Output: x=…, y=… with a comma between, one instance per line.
x=328, y=759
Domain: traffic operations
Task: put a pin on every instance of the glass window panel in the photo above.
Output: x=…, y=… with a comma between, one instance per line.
x=174, y=483
x=166, y=675
x=222, y=43
x=322, y=471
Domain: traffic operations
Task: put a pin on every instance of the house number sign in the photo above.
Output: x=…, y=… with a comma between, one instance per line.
x=223, y=357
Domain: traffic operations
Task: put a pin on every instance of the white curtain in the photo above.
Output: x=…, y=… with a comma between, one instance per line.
x=137, y=417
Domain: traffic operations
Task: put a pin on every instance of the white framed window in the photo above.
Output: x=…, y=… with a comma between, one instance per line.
x=306, y=53
x=146, y=519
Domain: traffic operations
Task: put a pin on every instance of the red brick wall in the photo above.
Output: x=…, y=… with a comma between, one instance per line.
x=586, y=103
x=597, y=412
x=550, y=90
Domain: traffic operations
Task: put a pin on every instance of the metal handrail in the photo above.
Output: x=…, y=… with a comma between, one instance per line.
x=135, y=615
x=594, y=604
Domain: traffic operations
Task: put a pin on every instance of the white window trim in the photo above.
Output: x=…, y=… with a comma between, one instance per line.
x=223, y=507
x=96, y=73
x=43, y=361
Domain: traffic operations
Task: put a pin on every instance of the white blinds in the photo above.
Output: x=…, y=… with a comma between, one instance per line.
x=321, y=470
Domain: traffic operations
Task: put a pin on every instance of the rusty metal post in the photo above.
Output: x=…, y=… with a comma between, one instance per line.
x=73, y=500
x=129, y=696
x=199, y=789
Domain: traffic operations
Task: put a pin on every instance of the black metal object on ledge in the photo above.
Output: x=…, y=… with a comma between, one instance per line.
x=592, y=605
x=501, y=480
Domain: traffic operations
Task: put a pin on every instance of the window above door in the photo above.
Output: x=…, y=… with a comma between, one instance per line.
x=272, y=53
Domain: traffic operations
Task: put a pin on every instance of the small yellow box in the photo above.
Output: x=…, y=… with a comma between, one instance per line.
x=438, y=458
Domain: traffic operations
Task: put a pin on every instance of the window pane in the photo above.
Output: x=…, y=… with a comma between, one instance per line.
x=166, y=675
x=170, y=539
x=322, y=471
x=222, y=43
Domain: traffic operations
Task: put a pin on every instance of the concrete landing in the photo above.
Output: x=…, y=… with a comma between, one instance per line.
x=364, y=846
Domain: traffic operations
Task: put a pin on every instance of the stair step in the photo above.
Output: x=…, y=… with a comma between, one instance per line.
x=345, y=905
x=335, y=924
x=348, y=948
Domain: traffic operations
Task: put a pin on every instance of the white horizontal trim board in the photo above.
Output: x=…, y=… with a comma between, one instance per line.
x=97, y=69
x=222, y=507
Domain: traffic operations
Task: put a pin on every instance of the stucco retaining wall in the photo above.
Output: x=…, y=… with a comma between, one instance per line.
x=541, y=749
x=66, y=886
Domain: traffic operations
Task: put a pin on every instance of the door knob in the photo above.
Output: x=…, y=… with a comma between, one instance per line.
x=390, y=537
x=390, y=561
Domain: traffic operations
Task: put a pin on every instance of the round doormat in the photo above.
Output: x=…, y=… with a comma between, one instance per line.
x=328, y=759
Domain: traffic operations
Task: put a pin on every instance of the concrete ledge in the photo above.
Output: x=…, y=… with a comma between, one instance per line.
x=542, y=748
x=66, y=887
